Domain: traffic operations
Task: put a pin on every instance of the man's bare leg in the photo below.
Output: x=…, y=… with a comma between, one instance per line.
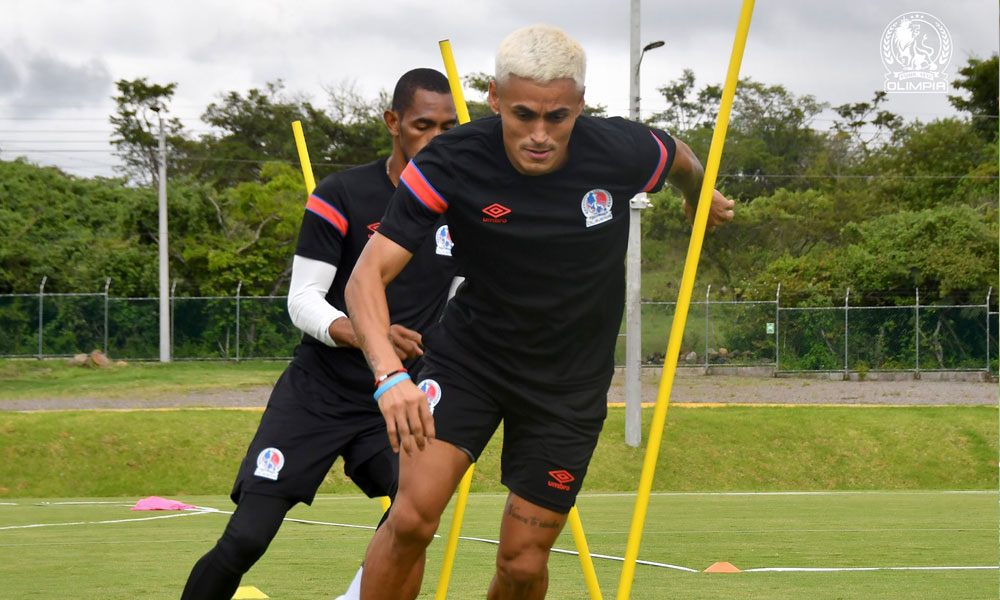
x=527, y=533
x=394, y=564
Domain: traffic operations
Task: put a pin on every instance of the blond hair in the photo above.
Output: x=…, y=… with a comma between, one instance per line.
x=541, y=53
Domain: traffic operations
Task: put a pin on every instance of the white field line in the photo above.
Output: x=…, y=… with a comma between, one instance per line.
x=36, y=525
x=201, y=510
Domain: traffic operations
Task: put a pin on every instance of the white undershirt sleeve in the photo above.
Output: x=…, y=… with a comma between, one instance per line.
x=307, y=305
x=453, y=288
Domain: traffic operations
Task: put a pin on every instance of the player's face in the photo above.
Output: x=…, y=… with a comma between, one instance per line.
x=429, y=114
x=537, y=120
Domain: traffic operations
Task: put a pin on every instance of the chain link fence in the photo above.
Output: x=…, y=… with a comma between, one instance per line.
x=851, y=339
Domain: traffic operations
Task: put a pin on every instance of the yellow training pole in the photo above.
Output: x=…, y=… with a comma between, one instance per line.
x=683, y=302
x=307, y=175
x=589, y=574
x=456, y=527
x=463, y=488
x=454, y=82
x=300, y=143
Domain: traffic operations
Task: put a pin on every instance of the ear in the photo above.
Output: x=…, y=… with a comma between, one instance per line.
x=579, y=108
x=494, y=97
x=391, y=122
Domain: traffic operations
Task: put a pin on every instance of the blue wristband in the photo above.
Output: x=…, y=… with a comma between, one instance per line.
x=388, y=383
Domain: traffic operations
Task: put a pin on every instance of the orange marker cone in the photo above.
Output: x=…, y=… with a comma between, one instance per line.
x=722, y=567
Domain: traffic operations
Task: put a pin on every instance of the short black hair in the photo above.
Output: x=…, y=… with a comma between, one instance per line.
x=417, y=79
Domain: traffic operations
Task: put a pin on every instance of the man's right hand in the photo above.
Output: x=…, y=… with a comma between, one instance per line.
x=408, y=419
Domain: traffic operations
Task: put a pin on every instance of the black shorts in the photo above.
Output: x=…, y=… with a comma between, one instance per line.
x=305, y=427
x=549, y=434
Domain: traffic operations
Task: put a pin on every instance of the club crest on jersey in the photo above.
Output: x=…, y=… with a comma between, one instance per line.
x=596, y=206
x=433, y=391
x=442, y=241
x=269, y=462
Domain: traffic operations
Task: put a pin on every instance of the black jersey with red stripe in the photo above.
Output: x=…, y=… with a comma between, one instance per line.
x=543, y=256
x=342, y=213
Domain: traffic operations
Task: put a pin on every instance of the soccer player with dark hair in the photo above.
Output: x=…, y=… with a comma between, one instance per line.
x=321, y=407
x=537, y=202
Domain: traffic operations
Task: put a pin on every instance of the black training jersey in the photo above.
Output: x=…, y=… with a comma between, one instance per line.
x=543, y=256
x=341, y=214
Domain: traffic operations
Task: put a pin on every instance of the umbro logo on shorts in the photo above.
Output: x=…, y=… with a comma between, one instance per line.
x=373, y=227
x=561, y=477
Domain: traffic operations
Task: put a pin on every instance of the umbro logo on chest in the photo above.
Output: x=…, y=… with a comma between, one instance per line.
x=495, y=213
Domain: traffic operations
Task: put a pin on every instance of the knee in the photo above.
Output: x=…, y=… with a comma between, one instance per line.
x=523, y=566
x=239, y=549
x=411, y=526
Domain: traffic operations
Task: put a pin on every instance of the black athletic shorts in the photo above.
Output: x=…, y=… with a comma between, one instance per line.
x=305, y=427
x=549, y=434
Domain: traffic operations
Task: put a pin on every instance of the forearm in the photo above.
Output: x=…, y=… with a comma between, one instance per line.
x=307, y=305
x=687, y=174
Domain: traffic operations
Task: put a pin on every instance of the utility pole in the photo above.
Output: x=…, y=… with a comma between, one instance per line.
x=633, y=261
x=164, y=266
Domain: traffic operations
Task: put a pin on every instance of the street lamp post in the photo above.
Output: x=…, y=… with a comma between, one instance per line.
x=633, y=263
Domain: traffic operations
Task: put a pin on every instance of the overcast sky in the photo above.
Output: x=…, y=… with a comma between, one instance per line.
x=59, y=59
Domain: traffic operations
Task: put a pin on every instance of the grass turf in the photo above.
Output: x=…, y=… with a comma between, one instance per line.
x=732, y=448
x=55, y=379
x=151, y=558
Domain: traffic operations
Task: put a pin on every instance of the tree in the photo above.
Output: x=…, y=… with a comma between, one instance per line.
x=255, y=128
x=770, y=143
x=980, y=80
x=855, y=117
x=140, y=105
x=930, y=164
x=688, y=110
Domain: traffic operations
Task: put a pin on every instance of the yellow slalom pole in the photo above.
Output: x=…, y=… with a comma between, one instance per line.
x=683, y=302
x=589, y=574
x=307, y=175
x=456, y=527
x=454, y=82
x=300, y=143
x=463, y=488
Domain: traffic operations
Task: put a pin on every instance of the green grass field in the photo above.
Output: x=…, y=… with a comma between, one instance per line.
x=56, y=379
x=731, y=448
x=904, y=498
x=106, y=551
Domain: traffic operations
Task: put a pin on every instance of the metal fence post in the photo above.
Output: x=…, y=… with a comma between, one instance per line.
x=777, y=325
x=847, y=298
x=238, y=287
x=988, y=294
x=916, y=328
x=708, y=291
x=107, y=284
x=173, y=286
x=41, y=291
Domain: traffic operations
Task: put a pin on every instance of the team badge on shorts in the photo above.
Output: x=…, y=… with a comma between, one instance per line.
x=596, y=206
x=442, y=241
x=433, y=391
x=269, y=462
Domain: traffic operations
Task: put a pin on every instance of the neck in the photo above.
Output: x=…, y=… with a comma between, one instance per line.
x=395, y=164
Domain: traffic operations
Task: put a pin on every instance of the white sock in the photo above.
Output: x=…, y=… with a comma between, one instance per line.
x=354, y=590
